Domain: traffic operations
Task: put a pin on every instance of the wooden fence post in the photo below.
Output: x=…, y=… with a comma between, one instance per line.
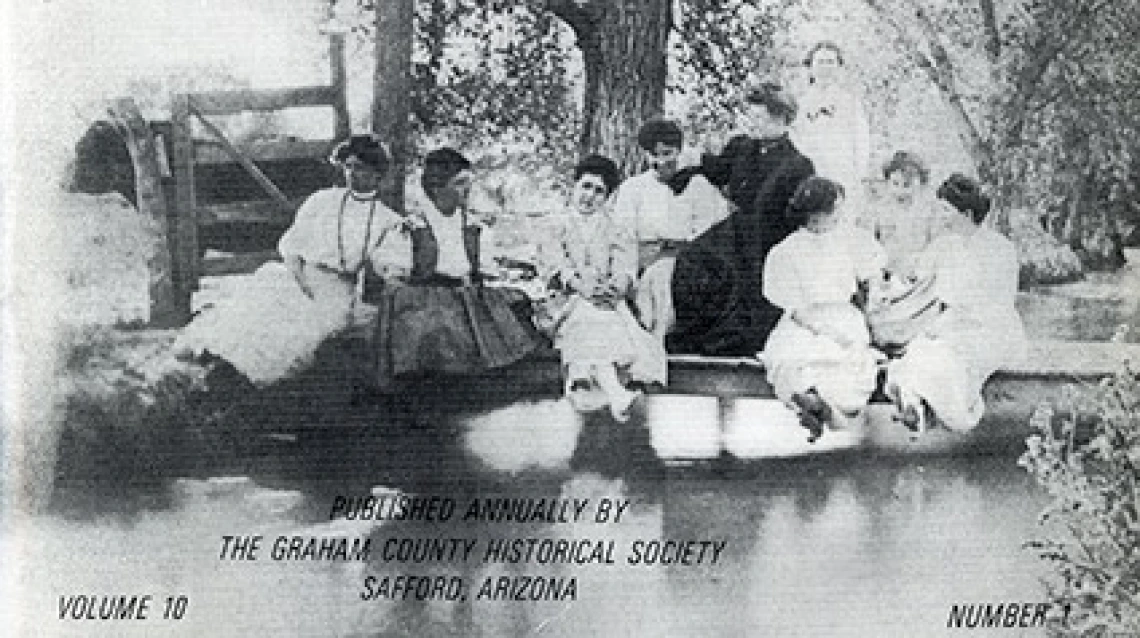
x=340, y=85
x=164, y=309
x=185, y=231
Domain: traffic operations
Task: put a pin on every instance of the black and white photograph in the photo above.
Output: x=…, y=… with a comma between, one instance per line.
x=569, y=318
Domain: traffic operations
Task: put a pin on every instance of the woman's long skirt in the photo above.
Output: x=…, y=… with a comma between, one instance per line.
x=462, y=329
x=948, y=366
x=797, y=360
x=594, y=335
x=269, y=329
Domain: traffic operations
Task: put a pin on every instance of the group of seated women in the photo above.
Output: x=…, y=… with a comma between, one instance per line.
x=746, y=253
x=939, y=319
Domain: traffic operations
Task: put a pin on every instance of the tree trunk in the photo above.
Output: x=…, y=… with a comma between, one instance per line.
x=623, y=45
x=393, y=86
x=993, y=32
x=164, y=311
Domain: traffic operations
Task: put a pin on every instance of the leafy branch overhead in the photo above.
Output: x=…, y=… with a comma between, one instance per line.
x=1040, y=94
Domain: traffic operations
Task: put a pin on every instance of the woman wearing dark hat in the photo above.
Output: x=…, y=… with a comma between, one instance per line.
x=975, y=269
x=272, y=327
x=592, y=260
x=439, y=317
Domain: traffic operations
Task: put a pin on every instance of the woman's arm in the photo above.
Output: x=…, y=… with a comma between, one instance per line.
x=300, y=238
x=623, y=260
x=813, y=318
x=781, y=286
x=550, y=254
x=391, y=255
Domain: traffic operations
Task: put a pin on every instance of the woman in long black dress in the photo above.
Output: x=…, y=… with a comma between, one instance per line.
x=717, y=280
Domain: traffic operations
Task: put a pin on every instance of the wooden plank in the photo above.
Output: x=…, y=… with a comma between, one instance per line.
x=185, y=231
x=1080, y=359
x=264, y=182
x=247, y=212
x=148, y=160
x=343, y=125
x=238, y=264
x=237, y=101
x=210, y=152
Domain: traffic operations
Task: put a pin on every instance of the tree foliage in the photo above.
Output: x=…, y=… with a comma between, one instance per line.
x=522, y=70
x=1093, y=520
x=1044, y=94
x=1068, y=133
x=719, y=47
x=486, y=71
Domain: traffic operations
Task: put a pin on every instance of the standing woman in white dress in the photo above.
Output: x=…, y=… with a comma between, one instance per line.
x=975, y=270
x=273, y=326
x=818, y=358
x=833, y=130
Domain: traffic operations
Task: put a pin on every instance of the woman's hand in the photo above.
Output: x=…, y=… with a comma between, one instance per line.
x=814, y=320
x=412, y=221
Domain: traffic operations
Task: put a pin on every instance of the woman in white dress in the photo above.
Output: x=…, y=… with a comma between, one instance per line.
x=906, y=219
x=591, y=262
x=975, y=270
x=818, y=358
x=664, y=207
x=271, y=328
x=832, y=129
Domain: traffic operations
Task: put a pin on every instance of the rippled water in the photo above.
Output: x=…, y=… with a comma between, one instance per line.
x=832, y=545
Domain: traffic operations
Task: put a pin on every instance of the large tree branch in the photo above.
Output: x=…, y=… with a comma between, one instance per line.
x=939, y=67
x=945, y=71
x=579, y=15
x=993, y=35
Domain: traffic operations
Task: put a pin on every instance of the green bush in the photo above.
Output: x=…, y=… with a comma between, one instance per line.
x=1087, y=456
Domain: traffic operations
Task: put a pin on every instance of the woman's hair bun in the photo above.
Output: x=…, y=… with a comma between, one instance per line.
x=966, y=195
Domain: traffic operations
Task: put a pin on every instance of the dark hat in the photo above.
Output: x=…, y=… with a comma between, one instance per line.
x=773, y=97
x=814, y=195
x=659, y=131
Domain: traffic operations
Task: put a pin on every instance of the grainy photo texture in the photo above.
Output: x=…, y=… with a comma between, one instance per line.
x=362, y=318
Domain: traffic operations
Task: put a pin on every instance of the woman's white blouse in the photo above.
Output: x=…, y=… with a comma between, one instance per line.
x=324, y=234
x=651, y=210
x=810, y=268
x=978, y=272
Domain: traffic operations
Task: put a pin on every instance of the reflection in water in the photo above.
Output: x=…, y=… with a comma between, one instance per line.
x=836, y=545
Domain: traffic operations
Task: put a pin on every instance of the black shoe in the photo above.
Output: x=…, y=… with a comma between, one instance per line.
x=814, y=413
